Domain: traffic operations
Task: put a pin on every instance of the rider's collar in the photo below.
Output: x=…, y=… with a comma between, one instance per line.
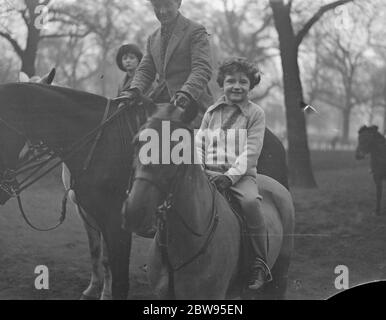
x=171, y=24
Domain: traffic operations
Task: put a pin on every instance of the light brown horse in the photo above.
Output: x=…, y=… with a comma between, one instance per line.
x=196, y=253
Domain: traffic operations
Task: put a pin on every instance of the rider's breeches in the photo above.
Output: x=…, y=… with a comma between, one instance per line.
x=246, y=192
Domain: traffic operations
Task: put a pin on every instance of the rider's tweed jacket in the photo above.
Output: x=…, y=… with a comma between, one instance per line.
x=187, y=66
x=126, y=81
x=240, y=157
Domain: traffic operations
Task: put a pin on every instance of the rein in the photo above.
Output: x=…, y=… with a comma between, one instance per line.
x=9, y=184
x=163, y=235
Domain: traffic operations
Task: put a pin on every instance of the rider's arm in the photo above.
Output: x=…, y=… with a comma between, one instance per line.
x=201, y=64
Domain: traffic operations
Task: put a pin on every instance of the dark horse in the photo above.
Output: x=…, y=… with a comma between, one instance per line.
x=196, y=253
x=370, y=141
x=59, y=117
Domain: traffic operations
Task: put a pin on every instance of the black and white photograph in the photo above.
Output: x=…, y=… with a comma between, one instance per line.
x=191, y=150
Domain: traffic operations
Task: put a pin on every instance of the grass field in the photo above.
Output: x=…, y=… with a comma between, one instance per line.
x=335, y=225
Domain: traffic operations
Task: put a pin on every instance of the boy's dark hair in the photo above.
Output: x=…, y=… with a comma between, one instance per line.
x=126, y=49
x=237, y=64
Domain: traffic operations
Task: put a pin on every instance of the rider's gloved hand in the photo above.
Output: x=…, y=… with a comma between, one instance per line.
x=222, y=182
x=130, y=95
x=182, y=100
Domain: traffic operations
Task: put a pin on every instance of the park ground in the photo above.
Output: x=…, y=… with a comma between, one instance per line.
x=335, y=225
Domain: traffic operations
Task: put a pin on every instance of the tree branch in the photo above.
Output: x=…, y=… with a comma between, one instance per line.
x=57, y=35
x=13, y=42
x=322, y=10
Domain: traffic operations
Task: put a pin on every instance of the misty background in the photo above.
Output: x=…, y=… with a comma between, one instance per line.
x=328, y=54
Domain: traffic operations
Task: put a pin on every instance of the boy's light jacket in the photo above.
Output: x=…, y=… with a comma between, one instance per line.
x=230, y=138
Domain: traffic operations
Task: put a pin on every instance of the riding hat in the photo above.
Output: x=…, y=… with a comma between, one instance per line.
x=125, y=49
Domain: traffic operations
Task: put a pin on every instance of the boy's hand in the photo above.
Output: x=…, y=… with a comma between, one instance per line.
x=181, y=100
x=222, y=182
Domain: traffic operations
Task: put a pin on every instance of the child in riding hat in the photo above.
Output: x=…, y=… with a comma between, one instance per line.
x=234, y=112
x=128, y=58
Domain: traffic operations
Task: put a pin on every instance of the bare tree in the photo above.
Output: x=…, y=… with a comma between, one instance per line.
x=377, y=44
x=241, y=33
x=298, y=152
x=28, y=15
x=342, y=75
x=346, y=63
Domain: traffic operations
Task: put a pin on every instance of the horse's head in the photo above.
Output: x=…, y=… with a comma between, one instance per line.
x=367, y=138
x=30, y=148
x=14, y=146
x=161, y=147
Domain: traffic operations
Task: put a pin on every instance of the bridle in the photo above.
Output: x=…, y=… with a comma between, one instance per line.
x=167, y=206
x=32, y=166
x=9, y=177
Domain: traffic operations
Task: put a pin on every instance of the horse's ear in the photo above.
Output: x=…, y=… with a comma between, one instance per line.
x=23, y=77
x=47, y=79
x=361, y=129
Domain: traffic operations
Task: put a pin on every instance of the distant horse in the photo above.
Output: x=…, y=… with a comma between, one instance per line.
x=59, y=117
x=370, y=141
x=196, y=253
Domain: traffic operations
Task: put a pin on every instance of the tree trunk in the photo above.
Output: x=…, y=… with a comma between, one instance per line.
x=28, y=63
x=384, y=121
x=28, y=58
x=299, y=161
x=346, y=113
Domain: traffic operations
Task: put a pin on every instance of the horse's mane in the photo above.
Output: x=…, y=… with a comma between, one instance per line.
x=366, y=128
x=60, y=89
x=80, y=97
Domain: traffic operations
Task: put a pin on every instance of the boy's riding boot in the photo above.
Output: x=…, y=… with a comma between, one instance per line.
x=257, y=234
